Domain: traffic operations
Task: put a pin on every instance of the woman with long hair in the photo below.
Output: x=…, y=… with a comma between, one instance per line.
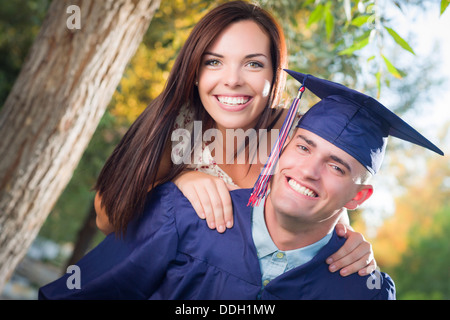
x=228, y=76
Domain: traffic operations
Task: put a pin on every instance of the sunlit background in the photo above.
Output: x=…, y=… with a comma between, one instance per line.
x=408, y=218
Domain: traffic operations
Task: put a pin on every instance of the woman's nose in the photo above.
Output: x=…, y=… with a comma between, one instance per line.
x=233, y=77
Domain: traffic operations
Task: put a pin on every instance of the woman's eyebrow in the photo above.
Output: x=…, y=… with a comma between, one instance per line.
x=213, y=54
x=249, y=56
x=254, y=55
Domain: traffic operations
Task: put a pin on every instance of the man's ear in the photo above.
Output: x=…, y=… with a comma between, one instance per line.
x=363, y=194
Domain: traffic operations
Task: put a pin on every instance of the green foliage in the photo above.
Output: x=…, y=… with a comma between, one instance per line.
x=390, y=67
x=444, y=5
x=323, y=14
x=423, y=272
x=20, y=21
x=399, y=40
x=359, y=43
x=367, y=20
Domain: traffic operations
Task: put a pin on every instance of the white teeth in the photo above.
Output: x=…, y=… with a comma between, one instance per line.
x=233, y=100
x=301, y=189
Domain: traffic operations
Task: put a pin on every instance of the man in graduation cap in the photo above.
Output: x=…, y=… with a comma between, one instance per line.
x=277, y=249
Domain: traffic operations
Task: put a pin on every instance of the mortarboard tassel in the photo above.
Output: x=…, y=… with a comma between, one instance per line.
x=261, y=185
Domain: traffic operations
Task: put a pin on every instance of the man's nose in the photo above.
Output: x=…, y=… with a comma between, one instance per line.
x=310, y=169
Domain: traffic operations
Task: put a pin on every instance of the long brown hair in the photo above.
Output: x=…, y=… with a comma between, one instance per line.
x=131, y=170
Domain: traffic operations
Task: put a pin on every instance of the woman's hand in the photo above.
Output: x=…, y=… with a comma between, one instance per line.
x=210, y=197
x=355, y=255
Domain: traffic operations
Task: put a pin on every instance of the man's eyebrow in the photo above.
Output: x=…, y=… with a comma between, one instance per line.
x=332, y=157
x=308, y=141
x=339, y=160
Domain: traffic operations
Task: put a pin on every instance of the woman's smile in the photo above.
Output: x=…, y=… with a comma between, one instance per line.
x=233, y=103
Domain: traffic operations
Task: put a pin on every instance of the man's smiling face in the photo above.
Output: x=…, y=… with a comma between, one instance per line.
x=315, y=179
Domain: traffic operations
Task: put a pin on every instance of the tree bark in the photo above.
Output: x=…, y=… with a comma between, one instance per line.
x=54, y=108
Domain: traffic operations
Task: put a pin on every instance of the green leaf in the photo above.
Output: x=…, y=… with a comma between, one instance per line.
x=392, y=70
x=378, y=78
x=329, y=23
x=293, y=21
x=363, y=36
x=444, y=5
x=399, y=40
x=307, y=3
x=359, y=21
x=316, y=15
x=356, y=46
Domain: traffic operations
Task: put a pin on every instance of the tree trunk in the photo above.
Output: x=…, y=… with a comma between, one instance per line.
x=54, y=108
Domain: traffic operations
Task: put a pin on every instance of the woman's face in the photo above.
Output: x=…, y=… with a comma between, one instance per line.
x=235, y=76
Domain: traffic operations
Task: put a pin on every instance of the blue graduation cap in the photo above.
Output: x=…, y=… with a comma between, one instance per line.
x=355, y=122
x=350, y=120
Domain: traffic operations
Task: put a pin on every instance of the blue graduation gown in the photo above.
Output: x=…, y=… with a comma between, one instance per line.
x=169, y=253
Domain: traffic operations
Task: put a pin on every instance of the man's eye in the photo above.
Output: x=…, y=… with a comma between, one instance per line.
x=337, y=169
x=302, y=148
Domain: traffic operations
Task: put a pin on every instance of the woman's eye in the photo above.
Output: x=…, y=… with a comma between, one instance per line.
x=212, y=63
x=255, y=64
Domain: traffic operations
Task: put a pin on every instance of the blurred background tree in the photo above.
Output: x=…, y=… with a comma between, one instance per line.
x=413, y=245
x=20, y=22
x=324, y=38
x=51, y=113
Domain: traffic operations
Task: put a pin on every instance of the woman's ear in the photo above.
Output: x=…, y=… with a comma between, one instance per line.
x=363, y=194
